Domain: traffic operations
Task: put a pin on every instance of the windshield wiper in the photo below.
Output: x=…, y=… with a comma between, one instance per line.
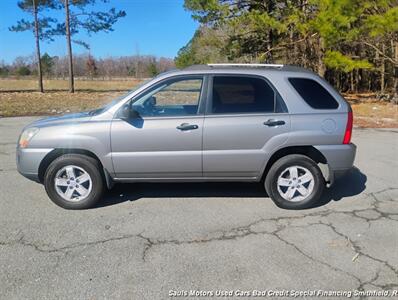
x=95, y=111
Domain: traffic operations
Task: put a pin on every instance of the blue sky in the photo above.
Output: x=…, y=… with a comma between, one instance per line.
x=156, y=27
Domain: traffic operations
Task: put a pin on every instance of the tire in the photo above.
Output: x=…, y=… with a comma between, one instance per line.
x=295, y=192
x=83, y=190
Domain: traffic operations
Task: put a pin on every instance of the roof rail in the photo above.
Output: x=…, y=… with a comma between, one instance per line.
x=278, y=66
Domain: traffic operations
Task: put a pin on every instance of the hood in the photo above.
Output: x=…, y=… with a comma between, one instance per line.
x=62, y=120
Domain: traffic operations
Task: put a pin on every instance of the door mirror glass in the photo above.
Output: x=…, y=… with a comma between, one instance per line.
x=151, y=101
x=134, y=114
x=127, y=113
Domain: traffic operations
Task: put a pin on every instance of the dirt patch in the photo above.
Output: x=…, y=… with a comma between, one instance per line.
x=372, y=112
x=375, y=114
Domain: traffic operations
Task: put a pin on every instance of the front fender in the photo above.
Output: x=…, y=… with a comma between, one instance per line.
x=90, y=136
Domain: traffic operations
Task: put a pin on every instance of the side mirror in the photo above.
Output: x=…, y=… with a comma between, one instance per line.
x=134, y=114
x=127, y=113
x=150, y=103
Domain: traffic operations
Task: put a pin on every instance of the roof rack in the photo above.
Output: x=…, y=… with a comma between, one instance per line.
x=278, y=66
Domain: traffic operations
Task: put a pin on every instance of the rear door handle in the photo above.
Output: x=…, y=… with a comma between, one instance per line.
x=186, y=126
x=272, y=122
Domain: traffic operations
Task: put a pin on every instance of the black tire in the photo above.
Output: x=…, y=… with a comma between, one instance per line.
x=280, y=166
x=90, y=165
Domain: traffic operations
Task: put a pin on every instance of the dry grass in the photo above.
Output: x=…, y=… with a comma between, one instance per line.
x=368, y=112
x=33, y=103
x=18, y=97
x=62, y=85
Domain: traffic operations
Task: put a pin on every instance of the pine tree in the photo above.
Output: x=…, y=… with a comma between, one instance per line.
x=339, y=39
x=80, y=15
x=41, y=27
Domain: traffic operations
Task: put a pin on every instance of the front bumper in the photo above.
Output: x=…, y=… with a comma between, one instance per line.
x=340, y=158
x=28, y=161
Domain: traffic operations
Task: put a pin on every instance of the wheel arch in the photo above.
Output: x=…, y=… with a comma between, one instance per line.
x=51, y=156
x=309, y=151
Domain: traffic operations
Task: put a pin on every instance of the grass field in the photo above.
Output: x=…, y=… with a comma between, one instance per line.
x=18, y=98
x=62, y=85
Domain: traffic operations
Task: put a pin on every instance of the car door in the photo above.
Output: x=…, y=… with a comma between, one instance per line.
x=245, y=119
x=165, y=140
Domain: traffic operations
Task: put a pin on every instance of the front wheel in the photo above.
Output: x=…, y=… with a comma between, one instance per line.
x=74, y=181
x=295, y=182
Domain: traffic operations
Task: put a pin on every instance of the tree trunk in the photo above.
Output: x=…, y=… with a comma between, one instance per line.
x=293, y=56
x=357, y=80
x=69, y=46
x=382, y=71
x=321, y=52
x=39, y=72
x=396, y=72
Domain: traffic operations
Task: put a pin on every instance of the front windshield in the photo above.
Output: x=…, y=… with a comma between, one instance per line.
x=117, y=100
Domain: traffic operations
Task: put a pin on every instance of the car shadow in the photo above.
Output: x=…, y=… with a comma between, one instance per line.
x=351, y=184
x=135, y=191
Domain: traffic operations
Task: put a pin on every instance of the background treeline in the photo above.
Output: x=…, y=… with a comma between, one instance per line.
x=79, y=16
x=353, y=43
x=85, y=65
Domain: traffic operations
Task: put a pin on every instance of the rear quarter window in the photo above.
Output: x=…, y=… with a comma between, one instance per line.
x=314, y=94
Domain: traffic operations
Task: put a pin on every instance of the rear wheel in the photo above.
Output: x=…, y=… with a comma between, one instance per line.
x=74, y=181
x=295, y=182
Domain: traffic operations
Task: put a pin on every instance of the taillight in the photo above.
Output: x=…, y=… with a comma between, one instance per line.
x=348, y=128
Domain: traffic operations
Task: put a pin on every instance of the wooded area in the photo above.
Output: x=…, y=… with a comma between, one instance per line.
x=86, y=65
x=352, y=43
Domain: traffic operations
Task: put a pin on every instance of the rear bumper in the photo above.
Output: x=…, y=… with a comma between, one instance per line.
x=28, y=162
x=340, y=159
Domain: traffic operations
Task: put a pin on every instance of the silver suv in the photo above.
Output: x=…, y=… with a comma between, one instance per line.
x=280, y=125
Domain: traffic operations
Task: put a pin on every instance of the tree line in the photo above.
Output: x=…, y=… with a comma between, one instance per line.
x=80, y=15
x=86, y=65
x=352, y=43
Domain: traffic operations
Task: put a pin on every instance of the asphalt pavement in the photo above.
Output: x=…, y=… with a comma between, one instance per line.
x=152, y=241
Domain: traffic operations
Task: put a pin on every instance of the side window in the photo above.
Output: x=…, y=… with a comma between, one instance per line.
x=176, y=97
x=313, y=93
x=233, y=94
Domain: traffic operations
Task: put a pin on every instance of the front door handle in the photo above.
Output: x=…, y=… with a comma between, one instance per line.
x=186, y=126
x=272, y=122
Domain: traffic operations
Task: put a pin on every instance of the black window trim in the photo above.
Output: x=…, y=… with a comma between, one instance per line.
x=209, y=102
x=321, y=84
x=202, y=96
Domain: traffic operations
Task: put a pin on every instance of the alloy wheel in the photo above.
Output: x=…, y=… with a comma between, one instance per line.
x=295, y=183
x=73, y=183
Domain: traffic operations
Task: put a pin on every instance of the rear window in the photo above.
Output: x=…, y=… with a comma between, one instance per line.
x=313, y=93
x=242, y=95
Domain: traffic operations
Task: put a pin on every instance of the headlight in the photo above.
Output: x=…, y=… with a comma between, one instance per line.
x=26, y=136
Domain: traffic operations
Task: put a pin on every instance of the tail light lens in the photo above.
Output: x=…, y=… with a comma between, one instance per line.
x=348, y=128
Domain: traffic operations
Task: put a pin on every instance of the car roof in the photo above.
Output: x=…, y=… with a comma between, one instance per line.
x=239, y=69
